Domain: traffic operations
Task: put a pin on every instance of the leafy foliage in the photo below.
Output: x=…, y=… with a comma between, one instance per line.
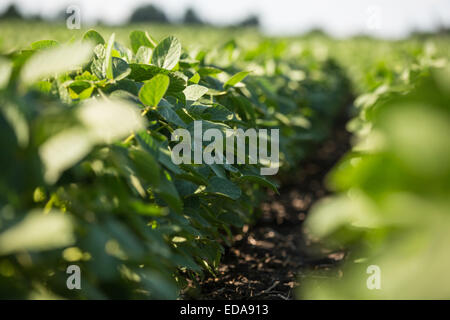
x=87, y=177
x=392, y=190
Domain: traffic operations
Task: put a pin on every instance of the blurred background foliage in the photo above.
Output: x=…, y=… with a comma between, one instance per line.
x=391, y=207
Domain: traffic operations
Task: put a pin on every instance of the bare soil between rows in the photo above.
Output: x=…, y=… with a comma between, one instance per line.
x=268, y=259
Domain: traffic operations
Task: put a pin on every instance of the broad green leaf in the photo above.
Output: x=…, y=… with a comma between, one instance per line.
x=120, y=51
x=195, y=78
x=98, y=68
x=218, y=170
x=64, y=150
x=167, y=53
x=143, y=55
x=218, y=112
x=148, y=143
x=215, y=112
x=154, y=90
x=185, y=187
x=110, y=120
x=94, y=37
x=120, y=68
x=78, y=85
x=165, y=109
x=232, y=218
x=178, y=82
x=185, y=261
x=146, y=166
x=209, y=71
x=109, y=57
x=141, y=39
x=144, y=72
x=235, y=79
x=17, y=120
x=38, y=232
x=209, y=125
x=147, y=209
x=214, y=92
x=259, y=180
x=53, y=61
x=80, y=89
x=223, y=187
x=160, y=152
x=156, y=283
x=5, y=72
x=44, y=44
x=194, y=92
x=167, y=191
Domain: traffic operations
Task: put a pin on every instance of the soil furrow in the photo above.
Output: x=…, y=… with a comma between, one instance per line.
x=267, y=259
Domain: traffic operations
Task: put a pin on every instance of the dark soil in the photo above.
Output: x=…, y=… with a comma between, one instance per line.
x=267, y=259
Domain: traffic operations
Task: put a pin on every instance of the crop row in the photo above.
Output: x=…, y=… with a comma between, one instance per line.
x=391, y=207
x=87, y=177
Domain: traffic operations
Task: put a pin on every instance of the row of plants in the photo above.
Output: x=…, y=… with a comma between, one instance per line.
x=86, y=173
x=391, y=205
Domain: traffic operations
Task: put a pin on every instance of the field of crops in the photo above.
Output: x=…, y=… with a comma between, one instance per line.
x=87, y=179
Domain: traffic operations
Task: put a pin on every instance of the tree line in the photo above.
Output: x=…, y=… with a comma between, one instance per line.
x=147, y=13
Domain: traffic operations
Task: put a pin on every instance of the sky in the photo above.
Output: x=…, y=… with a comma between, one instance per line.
x=341, y=18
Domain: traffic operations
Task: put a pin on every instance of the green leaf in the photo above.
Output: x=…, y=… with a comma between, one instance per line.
x=109, y=56
x=143, y=55
x=44, y=44
x=154, y=282
x=63, y=150
x=5, y=72
x=238, y=77
x=146, y=209
x=143, y=72
x=160, y=152
x=194, y=92
x=80, y=89
x=56, y=60
x=110, y=120
x=185, y=187
x=195, y=78
x=260, y=180
x=185, y=261
x=154, y=90
x=165, y=109
x=146, y=166
x=167, y=191
x=167, y=54
x=37, y=232
x=178, y=82
x=215, y=112
x=120, y=69
x=209, y=71
x=232, y=218
x=223, y=187
x=141, y=39
x=218, y=170
x=123, y=52
x=94, y=37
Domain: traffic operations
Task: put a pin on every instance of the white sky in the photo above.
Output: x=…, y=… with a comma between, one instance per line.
x=386, y=18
